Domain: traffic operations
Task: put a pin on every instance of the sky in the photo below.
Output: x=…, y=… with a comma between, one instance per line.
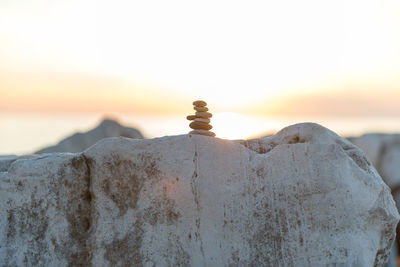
x=250, y=58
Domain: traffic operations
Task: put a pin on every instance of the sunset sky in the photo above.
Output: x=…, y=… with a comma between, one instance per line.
x=251, y=58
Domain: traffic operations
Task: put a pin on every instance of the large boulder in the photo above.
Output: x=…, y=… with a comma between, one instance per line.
x=78, y=142
x=304, y=197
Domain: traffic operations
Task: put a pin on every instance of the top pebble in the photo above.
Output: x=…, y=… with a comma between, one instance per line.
x=199, y=103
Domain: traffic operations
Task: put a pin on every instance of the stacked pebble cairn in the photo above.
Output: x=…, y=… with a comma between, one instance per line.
x=201, y=119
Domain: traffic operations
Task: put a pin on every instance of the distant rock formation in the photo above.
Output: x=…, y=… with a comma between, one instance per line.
x=384, y=152
x=5, y=161
x=303, y=197
x=81, y=141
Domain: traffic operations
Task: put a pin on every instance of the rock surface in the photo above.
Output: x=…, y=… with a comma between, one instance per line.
x=304, y=197
x=81, y=141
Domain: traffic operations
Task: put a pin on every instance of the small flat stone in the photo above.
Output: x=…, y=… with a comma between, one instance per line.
x=201, y=109
x=191, y=117
x=205, y=115
x=202, y=132
x=200, y=125
x=199, y=103
x=202, y=120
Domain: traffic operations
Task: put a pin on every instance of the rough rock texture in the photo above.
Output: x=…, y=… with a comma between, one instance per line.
x=45, y=211
x=81, y=141
x=304, y=197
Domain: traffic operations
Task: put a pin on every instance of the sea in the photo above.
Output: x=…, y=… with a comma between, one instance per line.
x=26, y=132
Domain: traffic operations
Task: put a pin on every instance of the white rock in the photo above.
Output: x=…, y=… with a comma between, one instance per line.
x=304, y=197
x=81, y=141
x=45, y=212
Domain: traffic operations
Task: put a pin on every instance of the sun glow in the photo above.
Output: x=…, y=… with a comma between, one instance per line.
x=230, y=125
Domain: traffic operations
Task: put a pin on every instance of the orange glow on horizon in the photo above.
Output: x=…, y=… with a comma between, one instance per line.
x=65, y=93
x=56, y=93
x=261, y=58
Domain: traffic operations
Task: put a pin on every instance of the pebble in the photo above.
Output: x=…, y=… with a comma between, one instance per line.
x=202, y=132
x=205, y=115
x=191, y=117
x=202, y=120
x=201, y=109
x=199, y=103
x=200, y=125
